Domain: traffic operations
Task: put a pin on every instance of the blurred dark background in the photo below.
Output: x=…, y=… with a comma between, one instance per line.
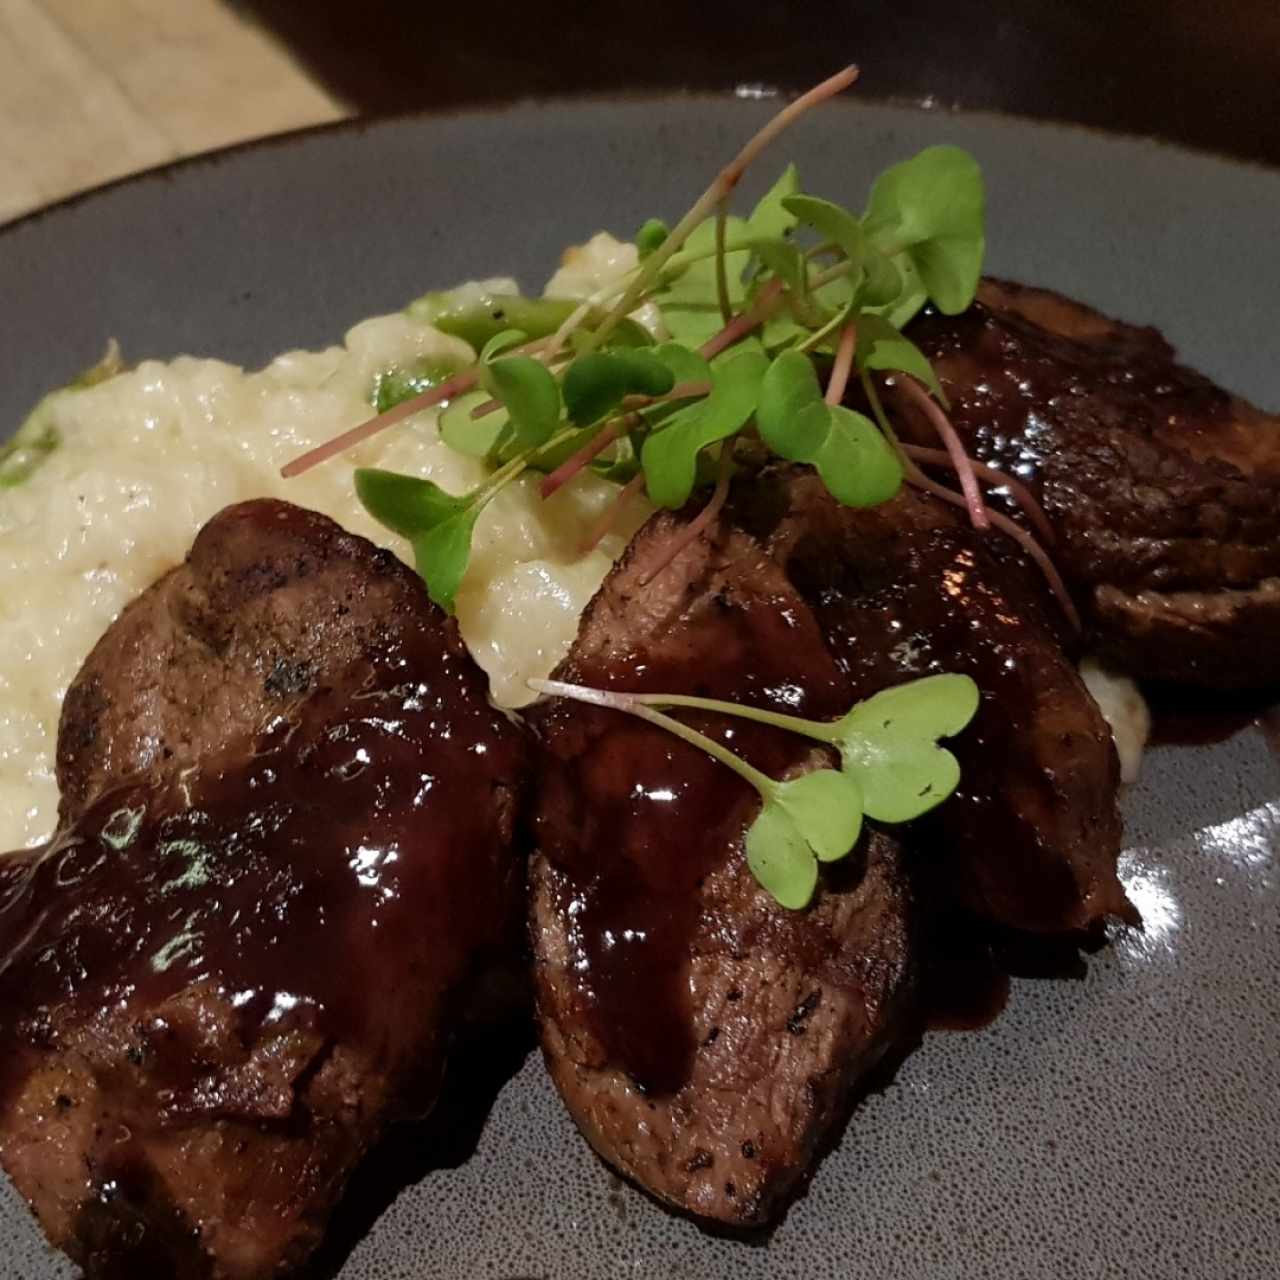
x=1202, y=74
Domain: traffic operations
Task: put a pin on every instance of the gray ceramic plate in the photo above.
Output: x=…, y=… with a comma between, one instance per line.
x=1120, y=1124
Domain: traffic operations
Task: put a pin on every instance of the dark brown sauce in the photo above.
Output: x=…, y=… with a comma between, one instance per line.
x=638, y=820
x=963, y=987
x=1025, y=392
x=1270, y=726
x=1187, y=718
x=316, y=885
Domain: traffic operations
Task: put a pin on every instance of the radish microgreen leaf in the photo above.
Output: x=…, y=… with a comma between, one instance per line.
x=891, y=769
x=482, y=437
x=670, y=454
x=437, y=524
x=528, y=392
x=881, y=346
x=932, y=207
x=793, y=419
x=596, y=383
x=890, y=741
x=857, y=464
x=771, y=219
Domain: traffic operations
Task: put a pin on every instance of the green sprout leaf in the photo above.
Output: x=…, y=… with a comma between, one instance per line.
x=856, y=463
x=650, y=237
x=814, y=818
x=832, y=223
x=442, y=553
x=529, y=393
x=670, y=455
x=881, y=346
x=890, y=742
x=780, y=857
x=792, y=417
x=439, y=525
x=685, y=365
x=892, y=770
x=501, y=342
x=884, y=281
x=595, y=384
x=932, y=207
x=396, y=385
x=482, y=438
x=771, y=219
x=826, y=806
x=689, y=302
x=786, y=262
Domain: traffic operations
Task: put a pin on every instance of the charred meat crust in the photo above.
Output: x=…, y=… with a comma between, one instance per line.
x=286, y=850
x=707, y=1057
x=246, y=628
x=1164, y=489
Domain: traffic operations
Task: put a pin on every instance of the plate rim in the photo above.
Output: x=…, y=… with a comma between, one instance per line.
x=173, y=170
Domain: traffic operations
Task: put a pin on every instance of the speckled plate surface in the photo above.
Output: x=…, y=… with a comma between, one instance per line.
x=1122, y=1123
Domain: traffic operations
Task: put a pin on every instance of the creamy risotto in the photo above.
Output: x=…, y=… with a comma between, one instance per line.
x=148, y=456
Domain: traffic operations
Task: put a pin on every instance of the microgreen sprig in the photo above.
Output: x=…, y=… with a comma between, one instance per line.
x=892, y=769
x=752, y=308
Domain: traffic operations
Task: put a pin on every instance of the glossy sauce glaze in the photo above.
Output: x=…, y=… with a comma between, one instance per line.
x=635, y=821
x=1186, y=718
x=905, y=590
x=1153, y=476
x=321, y=884
x=1021, y=365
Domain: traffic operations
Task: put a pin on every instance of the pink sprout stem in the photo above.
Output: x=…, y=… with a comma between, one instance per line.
x=458, y=385
x=1014, y=530
x=455, y=386
x=742, y=324
x=994, y=477
x=590, y=451
x=694, y=529
x=602, y=527
x=843, y=364
x=721, y=187
x=960, y=460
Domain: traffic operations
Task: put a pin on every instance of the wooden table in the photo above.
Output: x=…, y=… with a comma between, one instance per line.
x=92, y=89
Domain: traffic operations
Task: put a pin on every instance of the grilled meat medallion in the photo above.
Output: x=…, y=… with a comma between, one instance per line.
x=1031, y=837
x=286, y=850
x=1163, y=489
x=704, y=1038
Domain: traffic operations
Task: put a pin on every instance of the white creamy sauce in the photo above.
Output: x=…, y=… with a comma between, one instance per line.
x=148, y=456
x=1123, y=708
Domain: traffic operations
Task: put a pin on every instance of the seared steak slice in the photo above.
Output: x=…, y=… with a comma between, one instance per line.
x=287, y=848
x=704, y=1038
x=1163, y=488
x=909, y=589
